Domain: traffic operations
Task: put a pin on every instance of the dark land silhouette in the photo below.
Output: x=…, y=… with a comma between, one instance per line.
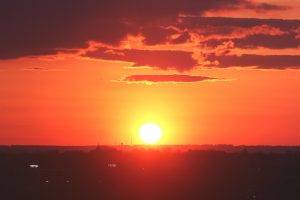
x=158, y=173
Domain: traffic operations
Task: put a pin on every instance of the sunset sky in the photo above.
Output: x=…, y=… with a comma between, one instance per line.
x=207, y=72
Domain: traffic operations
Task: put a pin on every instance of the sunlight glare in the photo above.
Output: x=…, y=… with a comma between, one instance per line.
x=150, y=133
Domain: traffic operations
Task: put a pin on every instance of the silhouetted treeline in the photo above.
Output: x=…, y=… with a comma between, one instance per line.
x=142, y=174
x=211, y=147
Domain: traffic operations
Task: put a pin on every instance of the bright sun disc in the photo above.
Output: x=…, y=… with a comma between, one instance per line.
x=150, y=133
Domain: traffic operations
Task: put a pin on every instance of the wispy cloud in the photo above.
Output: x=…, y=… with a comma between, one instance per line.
x=170, y=78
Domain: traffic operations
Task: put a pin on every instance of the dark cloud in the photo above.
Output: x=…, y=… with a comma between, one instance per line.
x=268, y=41
x=38, y=27
x=156, y=34
x=223, y=25
x=260, y=7
x=163, y=59
x=245, y=33
x=182, y=38
x=259, y=61
x=43, y=27
x=176, y=78
x=259, y=40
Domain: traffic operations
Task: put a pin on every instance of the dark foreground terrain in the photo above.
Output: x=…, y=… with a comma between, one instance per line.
x=149, y=174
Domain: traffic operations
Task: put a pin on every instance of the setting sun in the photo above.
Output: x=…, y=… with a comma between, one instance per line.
x=150, y=133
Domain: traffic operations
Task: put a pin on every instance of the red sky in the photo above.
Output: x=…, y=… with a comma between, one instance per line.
x=219, y=71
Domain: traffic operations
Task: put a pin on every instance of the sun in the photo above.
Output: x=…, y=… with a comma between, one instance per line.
x=150, y=133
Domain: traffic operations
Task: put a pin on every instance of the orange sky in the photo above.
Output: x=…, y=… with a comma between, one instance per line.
x=241, y=83
x=80, y=104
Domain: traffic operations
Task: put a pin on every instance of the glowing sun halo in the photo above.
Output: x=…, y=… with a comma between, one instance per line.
x=150, y=133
